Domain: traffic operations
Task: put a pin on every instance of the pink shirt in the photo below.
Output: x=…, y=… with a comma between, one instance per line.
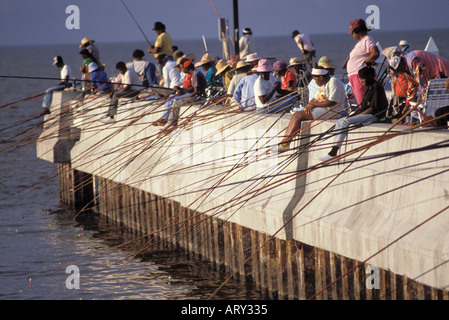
x=359, y=54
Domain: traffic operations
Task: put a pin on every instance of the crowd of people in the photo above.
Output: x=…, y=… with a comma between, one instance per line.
x=307, y=90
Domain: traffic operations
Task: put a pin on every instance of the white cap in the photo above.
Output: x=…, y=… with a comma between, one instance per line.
x=92, y=67
x=403, y=43
x=319, y=72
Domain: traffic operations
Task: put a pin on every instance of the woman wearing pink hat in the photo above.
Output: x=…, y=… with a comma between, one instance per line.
x=364, y=53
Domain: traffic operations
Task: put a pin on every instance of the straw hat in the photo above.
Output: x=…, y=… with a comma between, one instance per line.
x=205, y=59
x=241, y=64
x=252, y=57
x=295, y=61
x=85, y=41
x=326, y=63
x=221, y=66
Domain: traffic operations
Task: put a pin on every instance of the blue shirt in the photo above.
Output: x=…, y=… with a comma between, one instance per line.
x=211, y=78
x=244, y=92
x=98, y=79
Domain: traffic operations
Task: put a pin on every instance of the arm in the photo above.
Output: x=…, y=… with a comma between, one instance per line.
x=266, y=98
x=373, y=55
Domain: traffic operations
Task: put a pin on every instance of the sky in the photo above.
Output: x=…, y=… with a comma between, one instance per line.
x=29, y=22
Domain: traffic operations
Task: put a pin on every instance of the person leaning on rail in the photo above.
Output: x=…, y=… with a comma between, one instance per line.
x=372, y=109
x=329, y=102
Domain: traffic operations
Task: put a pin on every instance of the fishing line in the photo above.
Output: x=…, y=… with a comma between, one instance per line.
x=135, y=21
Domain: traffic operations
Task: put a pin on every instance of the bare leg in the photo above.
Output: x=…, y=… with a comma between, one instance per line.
x=294, y=126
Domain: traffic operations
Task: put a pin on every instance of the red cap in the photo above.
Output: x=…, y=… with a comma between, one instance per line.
x=187, y=63
x=355, y=24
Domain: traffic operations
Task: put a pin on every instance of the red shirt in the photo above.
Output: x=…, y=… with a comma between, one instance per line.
x=187, y=81
x=288, y=76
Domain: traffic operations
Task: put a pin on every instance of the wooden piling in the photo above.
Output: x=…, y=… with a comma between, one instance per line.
x=280, y=269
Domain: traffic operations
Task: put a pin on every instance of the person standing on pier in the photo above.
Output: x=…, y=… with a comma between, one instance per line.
x=364, y=53
x=305, y=44
x=247, y=44
x=66, y=81
x=163, y=44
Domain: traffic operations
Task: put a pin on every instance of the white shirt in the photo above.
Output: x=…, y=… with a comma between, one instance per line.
x=131, y=78
x=171, y=75
x=333, y=90
x=234, y=82
x=247, y=45
x=138, y=66
x=66, y=71
x=306, y=42
x=262, y=88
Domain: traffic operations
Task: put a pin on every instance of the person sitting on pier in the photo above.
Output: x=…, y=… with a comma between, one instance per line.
x=87, y=58
x=145, y=69
x=372, y=109
x=298, y=66
x=264, y=89
x=88, y=44
x=224, y=71
x=240, y=71
x=287, y=77
x=129, y=89
x=98, y=79
x=170, y=75
x=190, y=94
x=329, y=102
x=207, y=63
x=66, y=81
x=244, y=92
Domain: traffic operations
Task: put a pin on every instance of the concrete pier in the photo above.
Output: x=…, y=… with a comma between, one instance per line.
x=374, y=228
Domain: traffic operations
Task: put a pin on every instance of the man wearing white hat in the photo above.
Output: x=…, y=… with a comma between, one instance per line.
x=66, y=81
x=404, y=46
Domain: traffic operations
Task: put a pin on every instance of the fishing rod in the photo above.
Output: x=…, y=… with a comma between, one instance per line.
x=74, y=80
x=138, y=26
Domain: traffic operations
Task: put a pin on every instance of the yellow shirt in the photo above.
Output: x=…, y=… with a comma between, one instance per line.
x=164, y=42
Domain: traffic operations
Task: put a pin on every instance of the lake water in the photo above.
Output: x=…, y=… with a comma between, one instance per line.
x=39, y=237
